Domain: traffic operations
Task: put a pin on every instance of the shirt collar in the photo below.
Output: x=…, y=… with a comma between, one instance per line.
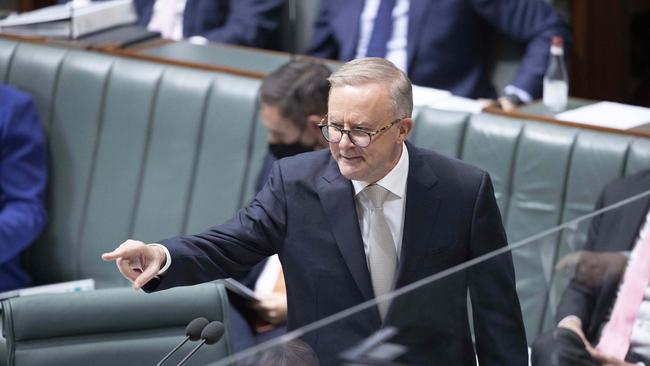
x=394, y=181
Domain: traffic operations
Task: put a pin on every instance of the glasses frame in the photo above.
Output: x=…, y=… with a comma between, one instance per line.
x=324, y=124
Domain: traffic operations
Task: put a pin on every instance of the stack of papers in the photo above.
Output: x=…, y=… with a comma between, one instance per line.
x=70, y=21
x=608, y=114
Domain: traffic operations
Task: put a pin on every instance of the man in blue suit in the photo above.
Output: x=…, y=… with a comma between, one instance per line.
x=243, y=22
x=23, y=176
x=252, y=23
x=442, y=43
x=372, y=214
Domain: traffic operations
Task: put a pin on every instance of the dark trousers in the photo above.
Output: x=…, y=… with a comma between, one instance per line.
x=560, y=347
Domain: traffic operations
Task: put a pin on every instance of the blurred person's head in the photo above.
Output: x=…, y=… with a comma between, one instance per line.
x=371, y=100
x=293, y=101
x=291, y=353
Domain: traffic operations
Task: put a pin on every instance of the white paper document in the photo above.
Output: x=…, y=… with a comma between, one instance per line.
x=67, y=20
x=608, y=114
x=443, y=99
x=55, y=288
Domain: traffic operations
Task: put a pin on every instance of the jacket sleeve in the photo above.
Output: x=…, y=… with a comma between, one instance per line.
x=498, y=324
x=323, y=43
x=23, y=175
x=532, y=23
x=249, y=23
x=230, y=249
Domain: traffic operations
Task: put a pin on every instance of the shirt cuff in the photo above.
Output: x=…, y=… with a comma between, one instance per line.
x=201, y=41
x=520, y=93
x=570, y=317
x=168, y=258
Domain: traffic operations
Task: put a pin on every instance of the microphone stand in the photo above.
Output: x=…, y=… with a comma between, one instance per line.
x=192, y=352
x=167, y=356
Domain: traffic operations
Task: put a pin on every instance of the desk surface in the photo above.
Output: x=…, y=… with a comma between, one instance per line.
x=255, y=61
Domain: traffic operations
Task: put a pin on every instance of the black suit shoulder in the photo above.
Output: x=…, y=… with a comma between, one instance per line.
x=625, y=187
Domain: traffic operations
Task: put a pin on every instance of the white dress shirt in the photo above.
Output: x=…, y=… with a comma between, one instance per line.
x=395, y=183
x=268, y=278
x=396, y=46
x=170, y=27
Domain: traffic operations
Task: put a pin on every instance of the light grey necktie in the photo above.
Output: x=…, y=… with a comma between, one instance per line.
x=382, y=256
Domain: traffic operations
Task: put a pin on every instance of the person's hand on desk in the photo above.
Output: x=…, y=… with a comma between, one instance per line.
x=507, y=103
x=137, y=262
x=272, y=308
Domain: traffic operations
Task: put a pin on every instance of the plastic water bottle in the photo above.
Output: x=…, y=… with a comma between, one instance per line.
x=556, y=84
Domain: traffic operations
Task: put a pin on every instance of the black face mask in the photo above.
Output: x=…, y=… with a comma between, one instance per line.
x=284, y=150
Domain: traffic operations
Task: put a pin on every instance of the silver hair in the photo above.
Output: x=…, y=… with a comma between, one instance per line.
x=375, y=70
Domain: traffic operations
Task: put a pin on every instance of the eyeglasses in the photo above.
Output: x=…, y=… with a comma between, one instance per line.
x=360, y=137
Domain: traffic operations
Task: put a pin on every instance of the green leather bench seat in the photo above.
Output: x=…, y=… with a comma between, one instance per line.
x=110, y=326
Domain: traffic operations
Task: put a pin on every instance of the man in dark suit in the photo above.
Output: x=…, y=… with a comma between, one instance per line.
x=442, y=43
x=254, y=23
x=373, y=214
x=587, y=303
x=243, y=22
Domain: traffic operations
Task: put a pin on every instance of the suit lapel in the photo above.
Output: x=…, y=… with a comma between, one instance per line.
x=336, y=197
x=418, y=10
x=422, y=204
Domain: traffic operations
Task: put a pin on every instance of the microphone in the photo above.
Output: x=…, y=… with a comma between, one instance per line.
x=192, y=333
x=211, y=334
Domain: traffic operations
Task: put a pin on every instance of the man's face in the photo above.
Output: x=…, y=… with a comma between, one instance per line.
x=368, y=107
x=281, y=130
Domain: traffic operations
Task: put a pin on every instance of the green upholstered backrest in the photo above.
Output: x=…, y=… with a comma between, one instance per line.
x=137, y=150
x=110, y=326
x=543, y=175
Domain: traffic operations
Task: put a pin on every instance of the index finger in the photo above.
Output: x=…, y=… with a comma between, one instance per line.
x=122, y=252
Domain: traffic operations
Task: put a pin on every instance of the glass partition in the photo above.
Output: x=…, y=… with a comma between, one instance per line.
x=444, y=314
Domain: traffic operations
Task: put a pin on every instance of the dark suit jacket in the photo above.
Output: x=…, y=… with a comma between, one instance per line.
x=613, y=231
x=244, y=22
x=447, y=40
x=306, y=214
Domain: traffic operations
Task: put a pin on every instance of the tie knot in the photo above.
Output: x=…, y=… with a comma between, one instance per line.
x=376, y=194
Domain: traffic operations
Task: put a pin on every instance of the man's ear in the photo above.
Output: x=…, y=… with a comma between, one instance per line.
x=405, y=128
